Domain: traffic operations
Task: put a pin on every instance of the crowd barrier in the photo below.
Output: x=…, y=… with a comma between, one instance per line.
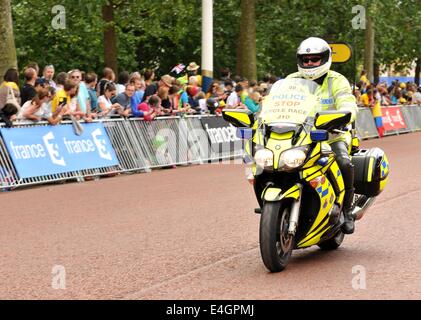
x=140, y=146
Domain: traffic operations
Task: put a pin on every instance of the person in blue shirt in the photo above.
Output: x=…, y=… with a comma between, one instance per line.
x=137, y=97
x=91, y=80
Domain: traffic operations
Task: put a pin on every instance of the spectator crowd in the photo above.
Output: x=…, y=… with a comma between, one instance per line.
x=375, y=96
x=78, y=95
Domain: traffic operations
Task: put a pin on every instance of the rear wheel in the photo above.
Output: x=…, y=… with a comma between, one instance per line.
x=333, y=243
x=275, y=243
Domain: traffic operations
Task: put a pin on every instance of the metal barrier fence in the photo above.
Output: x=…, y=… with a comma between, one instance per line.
x=141, y=146
x=10, y=179
x=412, y=116
x=365, y=125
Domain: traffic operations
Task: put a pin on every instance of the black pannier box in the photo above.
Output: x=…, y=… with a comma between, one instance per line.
x=371, y=171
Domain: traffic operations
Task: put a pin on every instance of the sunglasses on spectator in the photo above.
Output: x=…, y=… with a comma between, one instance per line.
x=75, y=77
x=314, y=59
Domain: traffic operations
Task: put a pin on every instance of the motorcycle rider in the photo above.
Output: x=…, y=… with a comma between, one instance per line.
x=314, y=58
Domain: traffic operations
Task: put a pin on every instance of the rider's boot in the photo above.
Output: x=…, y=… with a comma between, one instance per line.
x=349, y=224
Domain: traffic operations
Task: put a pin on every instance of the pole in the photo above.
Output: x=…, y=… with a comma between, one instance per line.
x=207, y=43
x=355, y=64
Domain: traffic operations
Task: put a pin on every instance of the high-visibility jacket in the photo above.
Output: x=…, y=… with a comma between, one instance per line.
x=335, y=93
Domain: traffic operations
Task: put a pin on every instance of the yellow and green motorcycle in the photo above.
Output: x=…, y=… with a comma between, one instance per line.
x=297, y=181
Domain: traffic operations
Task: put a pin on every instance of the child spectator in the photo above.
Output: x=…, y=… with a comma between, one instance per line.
x=148, y=107
x=91, y=81
x=369, y=100
x=139, y=92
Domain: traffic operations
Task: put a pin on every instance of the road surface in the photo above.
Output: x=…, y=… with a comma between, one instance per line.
x=190, y=233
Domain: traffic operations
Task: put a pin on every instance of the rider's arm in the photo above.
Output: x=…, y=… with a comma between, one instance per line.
x=344, y=99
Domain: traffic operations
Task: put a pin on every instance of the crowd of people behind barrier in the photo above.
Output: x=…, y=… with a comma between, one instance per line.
x=375, y=96
x=78, y=95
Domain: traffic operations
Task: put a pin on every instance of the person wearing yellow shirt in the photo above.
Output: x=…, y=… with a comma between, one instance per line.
x=364, y=78
x=66, y=99
x=8, y=110
x=63, y=96
x=369, y=100
x=11, y=80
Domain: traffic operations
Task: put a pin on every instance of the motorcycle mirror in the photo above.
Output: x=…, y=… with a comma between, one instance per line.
x=239, y=118
x=333, y=119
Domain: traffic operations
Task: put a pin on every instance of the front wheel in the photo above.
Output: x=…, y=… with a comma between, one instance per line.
x=275, y=243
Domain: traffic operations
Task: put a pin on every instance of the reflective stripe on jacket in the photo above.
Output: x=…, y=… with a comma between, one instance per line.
x=335, y=93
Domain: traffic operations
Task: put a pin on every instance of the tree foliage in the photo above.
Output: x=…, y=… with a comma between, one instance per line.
x=161, y=34
x=7, y=44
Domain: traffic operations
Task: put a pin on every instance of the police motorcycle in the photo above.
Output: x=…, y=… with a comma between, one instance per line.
x=297, y=181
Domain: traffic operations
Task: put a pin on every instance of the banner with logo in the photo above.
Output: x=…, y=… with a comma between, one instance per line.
x=222, y=135
x=393, y=119
x=40, y=151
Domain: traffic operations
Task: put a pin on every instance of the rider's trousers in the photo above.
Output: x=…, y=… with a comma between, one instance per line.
x=347, y=169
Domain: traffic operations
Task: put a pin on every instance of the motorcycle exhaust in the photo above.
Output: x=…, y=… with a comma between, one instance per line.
x=362, y=207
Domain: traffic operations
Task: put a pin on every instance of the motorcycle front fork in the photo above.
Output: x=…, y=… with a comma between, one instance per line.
x=295, y=213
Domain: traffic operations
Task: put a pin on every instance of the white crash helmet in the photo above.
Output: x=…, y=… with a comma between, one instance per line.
x=314, y=46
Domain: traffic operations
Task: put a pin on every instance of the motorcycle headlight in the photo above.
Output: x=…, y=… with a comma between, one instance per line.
x=293, y=158
x=264, y=158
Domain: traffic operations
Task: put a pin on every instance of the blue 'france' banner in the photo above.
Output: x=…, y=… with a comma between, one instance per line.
x=40, y=151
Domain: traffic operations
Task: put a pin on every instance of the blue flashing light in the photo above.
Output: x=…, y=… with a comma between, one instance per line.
x=244, y=133
x=319, y=135
x=323, y=161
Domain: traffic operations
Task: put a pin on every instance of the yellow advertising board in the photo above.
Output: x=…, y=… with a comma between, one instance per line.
x=341, y=52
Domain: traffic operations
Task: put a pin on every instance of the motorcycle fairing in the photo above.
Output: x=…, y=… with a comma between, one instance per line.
x=271, y=193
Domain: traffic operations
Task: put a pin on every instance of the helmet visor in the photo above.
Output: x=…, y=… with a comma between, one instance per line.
x=308, y=61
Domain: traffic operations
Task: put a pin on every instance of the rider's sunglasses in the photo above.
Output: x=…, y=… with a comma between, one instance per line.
x=314, y=59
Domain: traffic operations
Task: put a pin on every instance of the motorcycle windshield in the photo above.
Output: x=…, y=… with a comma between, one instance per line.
x=290, y=101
